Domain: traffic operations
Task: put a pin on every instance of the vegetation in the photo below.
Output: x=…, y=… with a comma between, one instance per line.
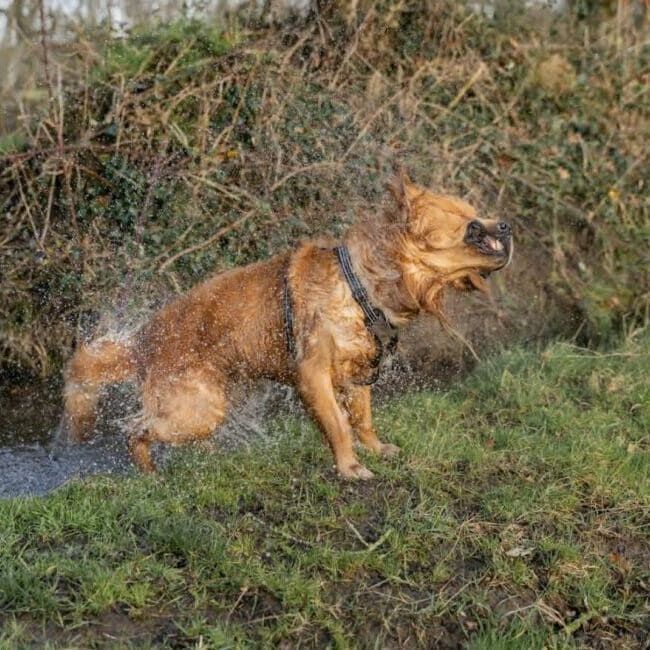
x=516, y=516
x=190, y=147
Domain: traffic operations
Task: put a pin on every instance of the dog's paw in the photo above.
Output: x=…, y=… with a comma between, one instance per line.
x=388, y=451
x=355, y=471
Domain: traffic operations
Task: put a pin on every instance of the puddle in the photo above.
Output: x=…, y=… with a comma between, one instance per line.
x=30, y=414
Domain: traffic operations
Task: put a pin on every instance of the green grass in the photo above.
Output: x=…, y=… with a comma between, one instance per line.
x=187, y=43
x=516, y=517
x=11, y=142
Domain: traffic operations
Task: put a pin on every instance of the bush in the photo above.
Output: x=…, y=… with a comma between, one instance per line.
x=191, y=147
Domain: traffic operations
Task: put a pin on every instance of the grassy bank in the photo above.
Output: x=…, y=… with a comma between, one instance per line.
x=517, y=516
x=193, y=146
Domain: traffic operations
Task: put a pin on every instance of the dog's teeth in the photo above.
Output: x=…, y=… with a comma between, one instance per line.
x=494, y=244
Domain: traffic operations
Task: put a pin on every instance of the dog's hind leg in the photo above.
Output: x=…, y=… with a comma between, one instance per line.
x=185, y=407
x=140, y=448
x=357, y=401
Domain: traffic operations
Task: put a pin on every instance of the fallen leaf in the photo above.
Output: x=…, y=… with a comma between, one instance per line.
x=555, y=75
x=519, y=551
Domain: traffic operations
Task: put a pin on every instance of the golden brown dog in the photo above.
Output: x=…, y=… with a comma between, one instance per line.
x=317, y=317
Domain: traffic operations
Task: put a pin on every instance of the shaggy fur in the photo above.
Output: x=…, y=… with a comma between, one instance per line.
x=186, y=358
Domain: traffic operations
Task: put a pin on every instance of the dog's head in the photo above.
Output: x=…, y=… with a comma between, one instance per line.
x=444, y=242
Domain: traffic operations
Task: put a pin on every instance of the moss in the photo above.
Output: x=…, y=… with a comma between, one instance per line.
x=12, y=142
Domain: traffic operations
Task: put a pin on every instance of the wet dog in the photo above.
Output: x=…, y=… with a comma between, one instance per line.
x=319, y=317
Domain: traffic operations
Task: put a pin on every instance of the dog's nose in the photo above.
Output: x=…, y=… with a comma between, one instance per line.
x=504, y=229
x=475, y=228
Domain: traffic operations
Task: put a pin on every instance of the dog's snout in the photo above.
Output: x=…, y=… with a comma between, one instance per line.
x=504, y=229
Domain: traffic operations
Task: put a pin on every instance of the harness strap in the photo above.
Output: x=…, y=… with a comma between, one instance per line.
x=376, y=321
x=384, y=333
x=288, y=316
x=358, y=290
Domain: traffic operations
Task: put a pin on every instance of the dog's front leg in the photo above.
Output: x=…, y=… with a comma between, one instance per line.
x=357, y=399
x=317, y=391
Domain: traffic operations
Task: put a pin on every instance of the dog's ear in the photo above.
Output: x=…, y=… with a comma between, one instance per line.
x=471, y=282
x=397, y=186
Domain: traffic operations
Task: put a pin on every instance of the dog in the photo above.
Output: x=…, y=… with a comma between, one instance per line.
x=319, y=317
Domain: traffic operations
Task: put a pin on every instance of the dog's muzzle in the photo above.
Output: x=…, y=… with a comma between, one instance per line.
x=497, y=243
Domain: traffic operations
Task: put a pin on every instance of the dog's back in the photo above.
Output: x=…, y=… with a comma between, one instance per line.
x=234, y=320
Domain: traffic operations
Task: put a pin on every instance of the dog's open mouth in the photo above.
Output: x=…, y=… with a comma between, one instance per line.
x=491, y=246
x=497, y=245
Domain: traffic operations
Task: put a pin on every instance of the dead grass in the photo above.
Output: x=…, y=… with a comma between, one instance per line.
x=190, y=147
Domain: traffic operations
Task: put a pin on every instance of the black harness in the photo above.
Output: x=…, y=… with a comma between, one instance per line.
x=287, y=302
x=383, y=332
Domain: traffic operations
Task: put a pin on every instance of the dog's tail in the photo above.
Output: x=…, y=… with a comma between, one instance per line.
x=93, y=366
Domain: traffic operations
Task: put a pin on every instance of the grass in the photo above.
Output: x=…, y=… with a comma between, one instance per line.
x=516, y=517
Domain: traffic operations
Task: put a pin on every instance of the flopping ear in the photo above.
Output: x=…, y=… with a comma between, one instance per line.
x=398, y=186
x=471, y=282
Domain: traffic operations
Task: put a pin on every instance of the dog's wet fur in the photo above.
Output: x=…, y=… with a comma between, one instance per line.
x=186, y=359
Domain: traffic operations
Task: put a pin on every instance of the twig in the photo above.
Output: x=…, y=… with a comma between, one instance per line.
x=376, y=544
x=61, y=116
x=28, y=212
x=73, y=208
x=197, y=247
x=624, y=355
x=301, y=170
x=26, y=155
x=227, y=190
x=463, y=91
x=299, y=43
x=48, y=211
x=243, y=592
x=154, y=179
x=179, y=239
x=370, y=120
x=352, y=47
x=46, y=58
